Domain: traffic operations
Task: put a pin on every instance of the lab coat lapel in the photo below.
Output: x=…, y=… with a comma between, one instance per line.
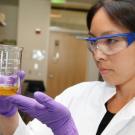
x=121, y=119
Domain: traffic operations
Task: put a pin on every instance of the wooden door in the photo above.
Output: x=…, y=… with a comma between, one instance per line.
x=67, y=62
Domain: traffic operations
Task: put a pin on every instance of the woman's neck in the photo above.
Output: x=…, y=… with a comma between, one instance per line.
x=126, y=90
x=124, y=93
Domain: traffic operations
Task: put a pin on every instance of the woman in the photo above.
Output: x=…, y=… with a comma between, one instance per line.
x=106, y=108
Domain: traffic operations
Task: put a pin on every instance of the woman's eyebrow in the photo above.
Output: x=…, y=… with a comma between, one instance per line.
x=108, y=33
x=103, y=34
x=91, y=34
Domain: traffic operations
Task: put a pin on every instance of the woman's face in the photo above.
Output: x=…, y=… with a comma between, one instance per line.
x=118, y=68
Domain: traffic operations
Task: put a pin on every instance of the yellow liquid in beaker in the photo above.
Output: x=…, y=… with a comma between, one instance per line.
x=8, y=90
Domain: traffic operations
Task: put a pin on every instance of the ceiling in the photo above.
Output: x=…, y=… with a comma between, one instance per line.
x=81, y=1
x=75, y=4
x=74, y=11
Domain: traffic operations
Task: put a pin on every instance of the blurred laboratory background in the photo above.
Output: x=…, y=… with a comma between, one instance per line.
x=54, y=57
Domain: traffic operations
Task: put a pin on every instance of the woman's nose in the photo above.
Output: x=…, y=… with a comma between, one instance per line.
x=99, y=55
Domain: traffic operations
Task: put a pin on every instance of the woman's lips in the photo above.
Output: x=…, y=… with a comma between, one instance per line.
x=104, y=71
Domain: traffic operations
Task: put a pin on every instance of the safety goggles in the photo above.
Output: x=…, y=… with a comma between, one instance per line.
x=110, y=44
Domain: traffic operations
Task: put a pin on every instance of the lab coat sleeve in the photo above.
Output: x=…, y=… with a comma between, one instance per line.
x=74, y=92
x=35, y=127
x=128, y=130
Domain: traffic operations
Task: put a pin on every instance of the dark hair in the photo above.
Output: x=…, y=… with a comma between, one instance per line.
x=121, y=12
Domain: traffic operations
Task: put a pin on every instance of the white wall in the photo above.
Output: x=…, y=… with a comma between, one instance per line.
x=34, y=14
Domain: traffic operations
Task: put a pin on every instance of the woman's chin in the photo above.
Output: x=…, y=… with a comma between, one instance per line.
x=111, y=81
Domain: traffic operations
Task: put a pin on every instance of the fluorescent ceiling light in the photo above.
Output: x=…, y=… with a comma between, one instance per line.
x=58, y=1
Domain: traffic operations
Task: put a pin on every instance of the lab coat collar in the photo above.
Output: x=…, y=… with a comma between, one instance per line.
x=126, y=114
x=110, y=91
x=121, y=120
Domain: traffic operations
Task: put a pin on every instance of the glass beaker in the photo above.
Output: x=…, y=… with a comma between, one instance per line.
x=10, y=65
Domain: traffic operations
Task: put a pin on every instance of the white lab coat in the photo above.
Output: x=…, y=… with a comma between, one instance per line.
x=86, y=103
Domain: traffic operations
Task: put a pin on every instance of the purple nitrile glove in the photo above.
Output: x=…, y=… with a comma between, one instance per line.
x=48, y=111
x=7, y=108
x=21, y=74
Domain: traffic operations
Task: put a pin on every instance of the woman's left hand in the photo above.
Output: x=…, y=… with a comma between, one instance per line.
x=48, y=111
x=7, y=108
